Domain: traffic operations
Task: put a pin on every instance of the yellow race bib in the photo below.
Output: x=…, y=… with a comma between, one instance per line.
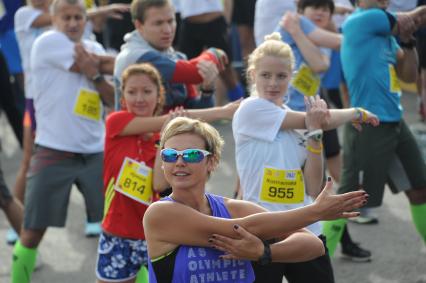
x=135, y=181
x=306, y=81
x=88, y=105
x=282, y=186
x=89, y=4
x=395, y=86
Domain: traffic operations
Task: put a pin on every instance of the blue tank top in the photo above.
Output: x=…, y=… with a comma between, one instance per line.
x=200, y=264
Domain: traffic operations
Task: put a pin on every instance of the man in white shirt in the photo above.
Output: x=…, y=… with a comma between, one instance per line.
x=68, y=93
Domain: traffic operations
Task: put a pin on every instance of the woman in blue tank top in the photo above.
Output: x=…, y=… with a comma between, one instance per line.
x=180, y=228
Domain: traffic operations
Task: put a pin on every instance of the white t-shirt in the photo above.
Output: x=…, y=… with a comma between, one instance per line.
x=176, y=4
x=260, y=143
x=268, y=14
x=190, y=8
x=339, y=19
x=401, y=5
x=56, y=92
x=26, y=35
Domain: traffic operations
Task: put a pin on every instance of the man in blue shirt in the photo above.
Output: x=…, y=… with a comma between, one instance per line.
x=372, y=62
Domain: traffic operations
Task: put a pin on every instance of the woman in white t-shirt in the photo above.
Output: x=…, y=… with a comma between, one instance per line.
x=280, y=168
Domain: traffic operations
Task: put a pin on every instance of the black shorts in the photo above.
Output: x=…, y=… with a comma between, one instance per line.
x=194, y=37
x=243, y=12
x=318, y=270
x=331, y=143
x=5, y=195
x=421, y=50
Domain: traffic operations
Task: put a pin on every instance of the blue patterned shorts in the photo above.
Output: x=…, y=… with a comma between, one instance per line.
x=120, y=258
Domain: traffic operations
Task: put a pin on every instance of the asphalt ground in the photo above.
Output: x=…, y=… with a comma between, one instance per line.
x=399, y=255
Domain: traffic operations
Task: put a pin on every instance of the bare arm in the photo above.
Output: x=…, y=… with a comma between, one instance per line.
x=88, y=65
x=339, y=117
x=313, y=56
x=418, y=15
x=228, y=6
x=159, y=182
x=325, y=38
x=341, y=9
x=43, y=20
x=314, y=168
x=316, y=115
x=299, y=246
x=318, y=112
x=106, y=91
x=406, y=67
x=112, y=10
x=153, y=124
x=106, y=64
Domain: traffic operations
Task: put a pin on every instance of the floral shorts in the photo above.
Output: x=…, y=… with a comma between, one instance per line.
x=120, y=258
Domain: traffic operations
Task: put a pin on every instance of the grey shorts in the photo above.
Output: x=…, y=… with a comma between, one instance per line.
x=49, y=180
x=385, y=154
x=5, y=195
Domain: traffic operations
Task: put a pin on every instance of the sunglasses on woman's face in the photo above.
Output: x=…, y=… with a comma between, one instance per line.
x=190, y=155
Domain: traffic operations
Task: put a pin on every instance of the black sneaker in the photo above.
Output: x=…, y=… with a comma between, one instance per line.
x=355, y=253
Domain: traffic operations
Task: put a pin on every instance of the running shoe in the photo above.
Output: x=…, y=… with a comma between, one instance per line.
x=39, y=263
x=93, y=229
x=354, y=252
x=367, y=216
x=365, y=220
x=11, y=237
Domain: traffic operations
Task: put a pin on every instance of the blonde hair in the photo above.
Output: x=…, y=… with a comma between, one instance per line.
x=272, y=46
x=152, y=73
x=183, y=125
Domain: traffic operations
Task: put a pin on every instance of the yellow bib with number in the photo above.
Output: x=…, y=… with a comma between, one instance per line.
x=393, y=80
x=88, y=105
x=89, y=4
x=135, y=181
x=306, y=81
x=282, y=186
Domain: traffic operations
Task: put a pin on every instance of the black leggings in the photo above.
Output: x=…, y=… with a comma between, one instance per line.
x=7, y=100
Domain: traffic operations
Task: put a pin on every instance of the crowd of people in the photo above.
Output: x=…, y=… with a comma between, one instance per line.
x=115, y=99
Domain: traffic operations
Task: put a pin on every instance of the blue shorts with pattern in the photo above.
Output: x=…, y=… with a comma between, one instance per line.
x=120, y=259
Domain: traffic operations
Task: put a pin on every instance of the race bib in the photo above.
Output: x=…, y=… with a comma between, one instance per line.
x=135, y=181
x=306, y=81
x=88, y=105
x=395, y=87
x=88, y=4
x=282, y=186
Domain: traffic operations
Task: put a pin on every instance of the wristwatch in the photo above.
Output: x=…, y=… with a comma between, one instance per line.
x=315, y=135
x=408, y=45
x=207, y=92
x=266, y=258
x=98, y=78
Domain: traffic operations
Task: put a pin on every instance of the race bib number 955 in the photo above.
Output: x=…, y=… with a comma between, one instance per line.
x=282, y=186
